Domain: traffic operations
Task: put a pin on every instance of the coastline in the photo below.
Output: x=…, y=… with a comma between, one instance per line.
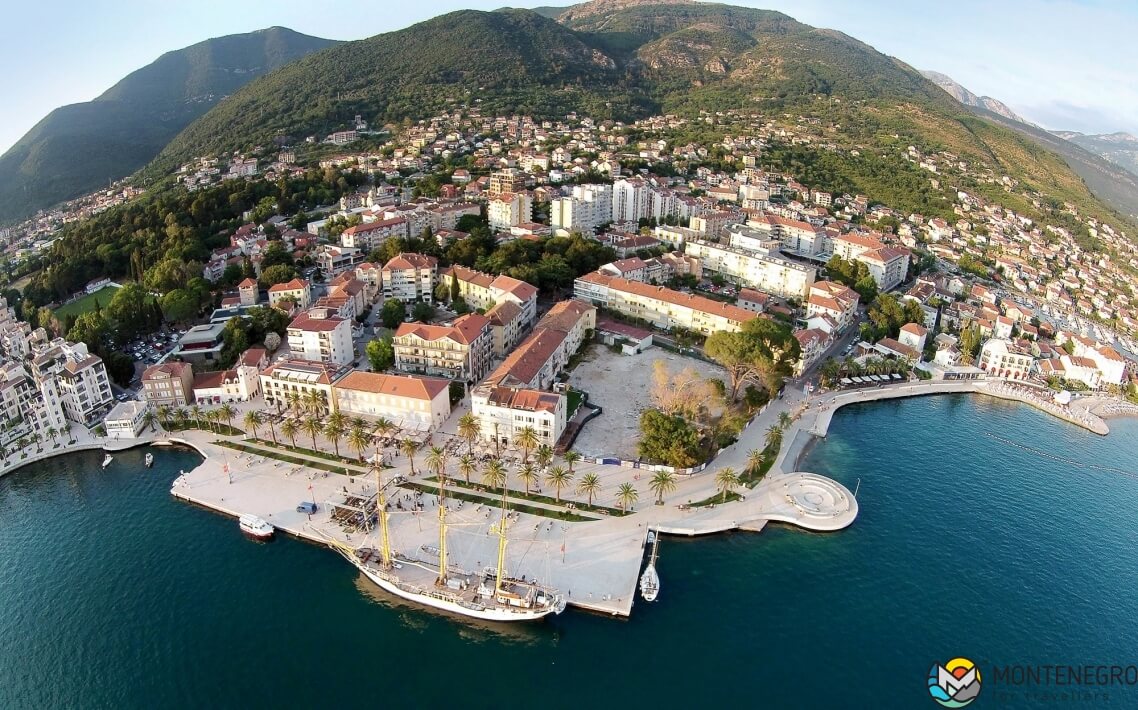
x=93, y=444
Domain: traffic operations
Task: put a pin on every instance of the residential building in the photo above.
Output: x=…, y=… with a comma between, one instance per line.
x=586, y=208
x=407, y=400
x=169, y=383
x=914, y=335
x=481, y=290
x=506, y=326
x=502, y=412
x=509, y=209
x=202, y=343
x=834, y=300
x=752, y=300
x=1003, y=358
x=83, y=384
x=248, y=291
x=812, y=343
x=662, y=307
x=459, y=352
x=320, y=335
x=240, y=384
x=505, y=181
x=371, y=235
x=888, y=265
x=410, y=277
x=334, y=260
x=764, y=271
x=541, y=356
x=297, y=292
x=28, y=407
x=289, y=378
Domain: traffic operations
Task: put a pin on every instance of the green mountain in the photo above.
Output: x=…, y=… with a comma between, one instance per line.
x=78, y=148
x=626, y=59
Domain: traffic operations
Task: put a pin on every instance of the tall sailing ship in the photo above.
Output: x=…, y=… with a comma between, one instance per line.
x=491, y=594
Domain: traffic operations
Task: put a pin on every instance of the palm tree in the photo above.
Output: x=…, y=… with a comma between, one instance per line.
x=3, y=453
x=662, y=483
x=783, y=420
x=571, y=457
x=253, y=420
x=436, y=461
x=211, y=417
x=36, y=438
x=164, y=414
x=527, y=441
x=227, y=412
x=196, y=414
x=466, y=466
x=289, y=428
x=774, y=437
x=558, y=477
x=409, y=447
x=181, y=416
x=755, y=460
x=312, y=426
x=272, y=427
x=544, y=455
x=52, y=433
x=727, y=480
x=590, y=485
x=335, y=429
x=148, y=419
x=469, y=430
x=528, y=474
x=383, y=427
x=313, y=402
x=293, y=399
x=359, y=439
x=494, y=474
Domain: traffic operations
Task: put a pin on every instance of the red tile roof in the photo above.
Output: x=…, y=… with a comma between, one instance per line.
x=424, y=388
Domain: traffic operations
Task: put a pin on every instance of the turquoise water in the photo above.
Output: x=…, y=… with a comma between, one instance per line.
x=113, y=594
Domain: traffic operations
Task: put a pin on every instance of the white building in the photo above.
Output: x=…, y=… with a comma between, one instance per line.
x=764, y=271
x=585, y=209
x=509, y=210
x=410, y=278
x=297, y=291
x=1002, y=358
x=371, y=235
x=126, y=420
x=423, y=402
x=502, y=412
x=319, y=335
x=83, y=384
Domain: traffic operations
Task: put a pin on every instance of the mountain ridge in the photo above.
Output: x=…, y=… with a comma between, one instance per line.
x=79, y=147
x=966, y=97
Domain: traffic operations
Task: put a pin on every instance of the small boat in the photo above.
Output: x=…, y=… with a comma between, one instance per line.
x=149, y=460
x=107, y=460
x=255, y=527
x=650, y=580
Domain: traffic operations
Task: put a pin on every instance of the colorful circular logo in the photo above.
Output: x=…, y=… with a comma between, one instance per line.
x=955, y=684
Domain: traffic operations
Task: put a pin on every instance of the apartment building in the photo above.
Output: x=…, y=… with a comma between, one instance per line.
x=169, y=383
x=410, y=277
x=297, y=291
x=320, y=335
x=586, y=208
x=762, y=270
x=83, y=384
x=371, y=235
x=1003, y=358
x=888, y=265
x=481, y=290
x=834, y=300
x=288, y=378
x=459, y=352
x=509, y=209
x=502, y=412
x=659, y=306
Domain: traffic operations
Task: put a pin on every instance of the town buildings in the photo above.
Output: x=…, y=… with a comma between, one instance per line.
x=659, y=306
x=405, y=400
x=320, y=335
x=169, y=383
x=410, y=278
x=297, y=292
x=458, y=352
x=761, y=270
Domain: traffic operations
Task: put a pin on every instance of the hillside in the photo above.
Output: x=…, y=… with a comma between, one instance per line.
x=78, y=148
x=968, y=98
x=625, y=59
x=1119, y=148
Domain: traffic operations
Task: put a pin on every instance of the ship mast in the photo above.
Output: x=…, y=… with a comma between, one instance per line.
x=442, y=580
x=501, y=528
x=381, y=510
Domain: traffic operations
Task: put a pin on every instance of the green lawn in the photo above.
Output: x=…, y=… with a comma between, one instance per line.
x=87, y=303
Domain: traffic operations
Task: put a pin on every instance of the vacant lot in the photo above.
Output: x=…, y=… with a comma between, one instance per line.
x=621, y=384
x=87, y=303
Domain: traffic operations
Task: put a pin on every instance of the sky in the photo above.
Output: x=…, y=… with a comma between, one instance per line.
x=1064, y=64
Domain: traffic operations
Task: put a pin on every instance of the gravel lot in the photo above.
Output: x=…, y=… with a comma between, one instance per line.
x=620, y=384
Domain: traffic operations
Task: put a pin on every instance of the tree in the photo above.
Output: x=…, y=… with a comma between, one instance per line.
x=436, y=461
x=784, y=419
x=409, y=447
x=272, y=341
x=312, y=427
x=277, y=274
x=755, y=460
x=590, y=485
x=544, y=455
x=626, y=495
x=662, y=483
x=392, y=313
x=668, y=439
x=359, y=439
x=290, y=428
x=494, y=474
x=128, y=309
x=526, y=440
x=196, y=414
x=726, y=480
x=528, y=475
x=469, y=429
x=253, y=420
x=774, y=437
x=762, y=352
x=466, y=466
x=571, y=457
x=335, y=428
x=232, y=275
x=227, y=412
x=558, y=477
x=423, y=312
x=275, y=254
x=380, y=354
x=90, y=328
x=179, y=305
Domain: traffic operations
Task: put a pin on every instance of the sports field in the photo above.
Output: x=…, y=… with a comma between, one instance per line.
x=87, y=303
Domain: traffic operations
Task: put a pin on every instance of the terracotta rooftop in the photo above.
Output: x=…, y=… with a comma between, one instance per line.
x=424, y=388
x=411, y=261
x=165, y=369
x=294, y=285
x=524, y=399
x=465, y=330
x=308, y=322
x=697, y=303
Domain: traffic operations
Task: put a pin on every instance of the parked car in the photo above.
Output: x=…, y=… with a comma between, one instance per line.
x=307, y=507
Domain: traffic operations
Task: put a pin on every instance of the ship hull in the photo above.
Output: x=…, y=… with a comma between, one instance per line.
x=486, y=614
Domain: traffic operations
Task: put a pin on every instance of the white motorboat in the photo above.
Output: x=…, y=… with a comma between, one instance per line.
x=107, y=460
x=650, y=580
x=149, y=460
x=255, y=527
